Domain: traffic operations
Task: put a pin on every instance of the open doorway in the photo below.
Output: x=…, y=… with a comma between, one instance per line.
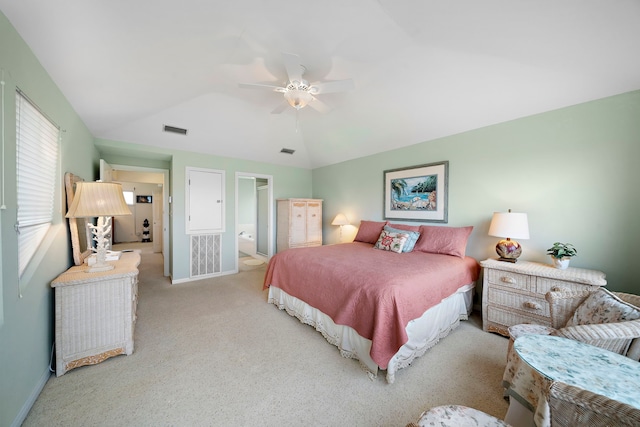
x=254, y=213
x=148, y=227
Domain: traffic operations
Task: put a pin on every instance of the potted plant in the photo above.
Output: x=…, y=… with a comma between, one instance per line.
x=561, y=254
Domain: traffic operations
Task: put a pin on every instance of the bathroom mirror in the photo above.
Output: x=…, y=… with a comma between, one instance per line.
x=80, y=238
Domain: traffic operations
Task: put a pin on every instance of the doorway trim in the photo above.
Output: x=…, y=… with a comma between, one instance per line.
x=270, y=216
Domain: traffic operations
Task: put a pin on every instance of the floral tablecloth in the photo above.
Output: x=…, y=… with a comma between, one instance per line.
x=536, y=361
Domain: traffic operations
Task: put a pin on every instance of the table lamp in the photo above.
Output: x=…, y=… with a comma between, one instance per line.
x=102, y=200
x=340, y=220
x=509, y=225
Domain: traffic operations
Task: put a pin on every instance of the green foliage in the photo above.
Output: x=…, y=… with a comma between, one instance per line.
x=429, y=184
x=398, y=186
x=562, y=250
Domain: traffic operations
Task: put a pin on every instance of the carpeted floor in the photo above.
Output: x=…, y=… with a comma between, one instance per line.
x=214, y=353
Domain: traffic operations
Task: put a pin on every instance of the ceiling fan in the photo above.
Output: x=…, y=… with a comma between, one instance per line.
x=298, y=93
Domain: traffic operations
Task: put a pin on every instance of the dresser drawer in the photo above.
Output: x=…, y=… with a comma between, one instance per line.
x=510, y=279
x=508, y=317
x=526, y=303
x=544, y=285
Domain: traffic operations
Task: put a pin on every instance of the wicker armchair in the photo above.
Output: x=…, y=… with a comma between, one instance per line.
x=570, y=406
x=621, y=338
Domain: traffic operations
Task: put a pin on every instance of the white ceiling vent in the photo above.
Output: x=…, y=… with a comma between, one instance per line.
x=174, y=129
x=287, y=151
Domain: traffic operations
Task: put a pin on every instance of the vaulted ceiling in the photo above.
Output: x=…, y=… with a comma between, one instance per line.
x=422, y=69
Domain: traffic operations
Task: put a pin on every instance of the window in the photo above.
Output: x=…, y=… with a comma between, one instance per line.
x=128, y=197
x=37, y=160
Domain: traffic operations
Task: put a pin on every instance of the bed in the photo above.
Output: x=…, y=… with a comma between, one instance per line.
x=380, y=307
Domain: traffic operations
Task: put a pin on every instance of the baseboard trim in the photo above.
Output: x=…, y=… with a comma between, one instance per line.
x=208, y=276
x=22, y=415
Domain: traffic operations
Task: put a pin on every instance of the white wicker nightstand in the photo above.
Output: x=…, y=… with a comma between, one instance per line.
x=95, y=313
x=513, y=293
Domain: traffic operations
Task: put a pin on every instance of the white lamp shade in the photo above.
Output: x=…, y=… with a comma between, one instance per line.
x=509, y=224
x=340, y=219
x=93, y=199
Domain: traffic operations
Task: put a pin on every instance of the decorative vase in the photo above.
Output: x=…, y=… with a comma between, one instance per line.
x=561, y=263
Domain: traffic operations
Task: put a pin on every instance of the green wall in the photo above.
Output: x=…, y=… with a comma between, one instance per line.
x=26, y=304
x=574, y=171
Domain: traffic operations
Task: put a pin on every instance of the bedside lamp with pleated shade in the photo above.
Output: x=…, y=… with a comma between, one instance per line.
x=509, y=225
x=102, y=200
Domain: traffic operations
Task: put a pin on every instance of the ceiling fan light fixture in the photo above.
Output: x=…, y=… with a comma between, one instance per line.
x=298, y=98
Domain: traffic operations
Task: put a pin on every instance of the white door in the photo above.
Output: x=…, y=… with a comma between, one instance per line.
x=157, y=219
x=106, y=175
x=205, y=212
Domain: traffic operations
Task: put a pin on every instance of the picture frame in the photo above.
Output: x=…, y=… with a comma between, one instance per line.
x=144, y=199
x=417, y=193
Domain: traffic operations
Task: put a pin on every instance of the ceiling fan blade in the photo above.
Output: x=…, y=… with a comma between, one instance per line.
x=318, y=105
x=261, y=86
x=333, y=86
x=280, y=108
x=293, y=66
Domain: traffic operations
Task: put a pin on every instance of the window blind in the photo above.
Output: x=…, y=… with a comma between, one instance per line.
x=37, y=157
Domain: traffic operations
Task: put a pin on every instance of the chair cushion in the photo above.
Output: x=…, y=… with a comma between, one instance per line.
x=457, y=416
x=602, y=306
x=516, y=331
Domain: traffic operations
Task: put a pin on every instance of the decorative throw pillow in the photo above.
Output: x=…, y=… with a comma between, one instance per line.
x=411, y=240
x=443, y=240
x=369, y=231
x=602, y=306
x=389, y=241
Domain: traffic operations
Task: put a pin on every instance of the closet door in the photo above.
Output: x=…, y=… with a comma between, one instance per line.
x=205, y=196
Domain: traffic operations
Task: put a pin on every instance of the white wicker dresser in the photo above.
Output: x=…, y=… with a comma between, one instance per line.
x=513, y=293
x=95, y=313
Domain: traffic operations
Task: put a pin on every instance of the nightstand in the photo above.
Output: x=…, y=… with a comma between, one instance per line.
x=513, y=293
x=95, y=313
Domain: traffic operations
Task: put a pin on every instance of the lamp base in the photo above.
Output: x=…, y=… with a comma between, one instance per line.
x=100, y=233
x=508, y=250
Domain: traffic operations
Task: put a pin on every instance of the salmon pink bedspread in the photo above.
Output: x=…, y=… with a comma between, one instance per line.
x=373, y=291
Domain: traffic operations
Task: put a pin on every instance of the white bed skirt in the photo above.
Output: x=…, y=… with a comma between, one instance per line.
x=424, y=332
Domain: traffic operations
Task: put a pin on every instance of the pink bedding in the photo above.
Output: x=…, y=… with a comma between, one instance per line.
x=375, y=292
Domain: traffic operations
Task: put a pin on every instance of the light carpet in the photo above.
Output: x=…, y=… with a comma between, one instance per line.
x=214, y=353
